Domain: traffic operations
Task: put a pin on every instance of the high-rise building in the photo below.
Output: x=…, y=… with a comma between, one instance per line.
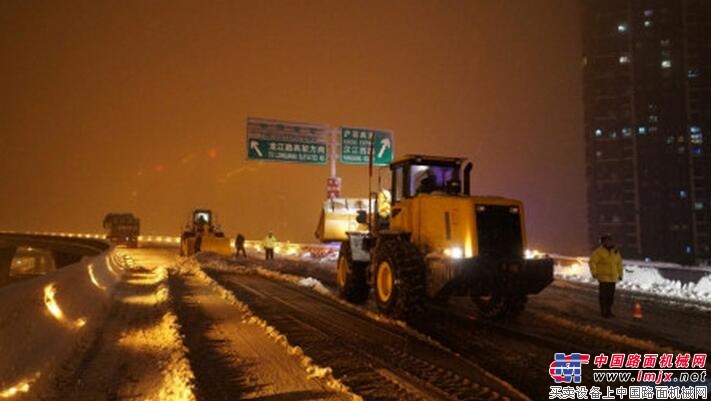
x=647, y=104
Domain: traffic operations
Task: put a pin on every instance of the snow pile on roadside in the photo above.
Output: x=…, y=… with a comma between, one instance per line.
x=178, y=377
x=604, y=333
x=191, y=266
x=314, y=284
x=322, y=253
x=647, y=280
x=165, y=342
x=46, y=319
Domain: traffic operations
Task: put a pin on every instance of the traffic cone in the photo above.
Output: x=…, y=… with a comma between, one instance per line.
x=637, y=311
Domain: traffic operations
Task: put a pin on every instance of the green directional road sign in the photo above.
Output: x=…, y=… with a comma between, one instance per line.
x=263, y=149
x=356, y=142
x=287, y=141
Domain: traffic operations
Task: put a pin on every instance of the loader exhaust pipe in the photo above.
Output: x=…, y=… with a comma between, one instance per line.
x=468, y=178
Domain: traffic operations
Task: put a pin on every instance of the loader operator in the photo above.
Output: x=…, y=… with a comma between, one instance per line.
x=428, y=184
x=606, y=267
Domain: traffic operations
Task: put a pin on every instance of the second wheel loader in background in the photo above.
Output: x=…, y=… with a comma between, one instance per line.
x=202, y=234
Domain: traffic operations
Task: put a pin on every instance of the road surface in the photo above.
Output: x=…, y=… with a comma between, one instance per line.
x=212, y=328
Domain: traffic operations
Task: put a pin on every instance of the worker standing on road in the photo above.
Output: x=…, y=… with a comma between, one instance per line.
x=239, y=245
x=606, y=267
x=269, y=243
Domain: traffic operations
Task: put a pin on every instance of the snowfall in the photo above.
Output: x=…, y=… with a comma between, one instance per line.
x=43, y=321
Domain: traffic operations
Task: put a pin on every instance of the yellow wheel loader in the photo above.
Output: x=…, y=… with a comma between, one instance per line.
x=435, y=241
x=201, y=234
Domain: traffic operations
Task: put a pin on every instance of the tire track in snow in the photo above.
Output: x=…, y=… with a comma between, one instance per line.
x=232, y=358
x=359, y=350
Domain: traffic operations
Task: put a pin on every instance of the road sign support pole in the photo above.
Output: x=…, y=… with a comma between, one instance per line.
x=334, y=151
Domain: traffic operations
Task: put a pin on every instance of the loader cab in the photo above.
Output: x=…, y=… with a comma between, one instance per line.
x=202, y=219
x=416, y=174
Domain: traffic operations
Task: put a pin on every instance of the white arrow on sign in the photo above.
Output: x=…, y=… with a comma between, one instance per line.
x=255, y=146
x=385, y=143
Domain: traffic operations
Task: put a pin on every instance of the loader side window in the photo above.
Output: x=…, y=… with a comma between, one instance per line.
x=398, y=184
x=499, y=231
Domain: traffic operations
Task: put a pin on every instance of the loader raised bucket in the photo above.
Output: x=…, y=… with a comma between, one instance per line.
x=338, y=216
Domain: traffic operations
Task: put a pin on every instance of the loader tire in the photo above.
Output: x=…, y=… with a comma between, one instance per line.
x=399, y=278
x=500, y=307
x=351, y=276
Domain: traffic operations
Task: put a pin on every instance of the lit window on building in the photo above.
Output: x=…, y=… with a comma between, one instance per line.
x=653, y=119
x=665, y=42
x=696, y=138
x=647, y=23
x=680, y=139
x=666, y=63
x=693, y=73
x=622, y=27
x=642, y=130
x=698, y=205
x=688, y=249
x=598, y=132
x=694, y=129
x=681, y=150
x=697, y=150
x=670, y=140
x=613, y=134
x=683, y=194
x=624, y=59
x=598, y=153
x=648, y=12
x=626, y=132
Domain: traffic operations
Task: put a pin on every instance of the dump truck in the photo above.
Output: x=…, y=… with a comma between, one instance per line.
x=202, y=234
x=429, y=238
x=123, y=229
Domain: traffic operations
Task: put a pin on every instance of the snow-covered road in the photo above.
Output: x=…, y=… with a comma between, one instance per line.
x=147, y=324
x=563, y=318
x=376, y=358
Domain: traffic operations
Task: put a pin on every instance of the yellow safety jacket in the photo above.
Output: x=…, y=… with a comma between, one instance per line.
x=269, y=242
x=606, y=265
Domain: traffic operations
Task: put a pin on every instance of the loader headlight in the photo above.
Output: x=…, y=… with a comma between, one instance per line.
x=534, y=254
x=454, y=252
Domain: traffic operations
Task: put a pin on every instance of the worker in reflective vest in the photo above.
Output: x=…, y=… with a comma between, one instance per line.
x=606, y=267
x=269, y=243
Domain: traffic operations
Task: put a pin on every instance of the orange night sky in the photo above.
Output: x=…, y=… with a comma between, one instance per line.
x=141, y=106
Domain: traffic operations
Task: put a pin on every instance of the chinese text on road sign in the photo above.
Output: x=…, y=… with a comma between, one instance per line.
x=356, y=142
x=286, y=141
